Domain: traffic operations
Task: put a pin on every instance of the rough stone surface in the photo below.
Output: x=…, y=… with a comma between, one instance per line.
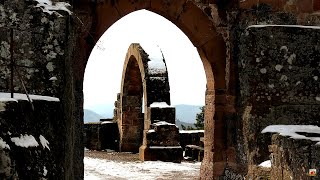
x=284, y=89
x=163, y=143
x=167, y=114
x=29, y=159
x=292, y=159
x=194, y=138
x=101, y=136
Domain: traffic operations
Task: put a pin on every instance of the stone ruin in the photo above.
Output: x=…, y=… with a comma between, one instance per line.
x=261, y=60
x=153, y=133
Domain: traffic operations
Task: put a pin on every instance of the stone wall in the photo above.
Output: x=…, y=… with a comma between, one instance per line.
x=101, y=135
x=32, y=141
x=292, y=158
x=278, y=76
x=39, y=45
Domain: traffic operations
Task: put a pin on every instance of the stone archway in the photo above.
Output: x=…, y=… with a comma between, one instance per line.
x=202, y=29
x=144, y=78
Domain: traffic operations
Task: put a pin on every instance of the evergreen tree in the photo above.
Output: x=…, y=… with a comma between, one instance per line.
x=200, y=119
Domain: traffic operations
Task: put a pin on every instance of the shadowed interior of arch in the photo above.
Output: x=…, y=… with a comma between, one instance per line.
x=132, y=116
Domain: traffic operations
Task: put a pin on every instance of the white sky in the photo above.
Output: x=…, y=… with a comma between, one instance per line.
x=104, y=69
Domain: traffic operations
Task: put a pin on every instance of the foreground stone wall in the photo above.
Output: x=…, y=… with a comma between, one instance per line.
x=32, y=142
x=292, y=158
x=278, y=77
x=38, y=43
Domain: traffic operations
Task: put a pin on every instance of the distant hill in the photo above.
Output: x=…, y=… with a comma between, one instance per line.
x=184, y=113
x=105, y=110
x=178, y=123
x=187, y=113
x=91, y=116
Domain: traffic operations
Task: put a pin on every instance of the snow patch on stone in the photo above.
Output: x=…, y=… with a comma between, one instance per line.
x=293, y=130
x=278, y=25
x=17, y=96
x=162, y=123
x=266, y=164
x=53, y=78
x=156, y=65
x=48, y=7
x=191, y=131
x=25, y=141
x=45, y=171
x=159, y=104
x=44, y=142
x=3, y=144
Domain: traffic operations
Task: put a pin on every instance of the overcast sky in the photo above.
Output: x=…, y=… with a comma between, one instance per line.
x=104, y=69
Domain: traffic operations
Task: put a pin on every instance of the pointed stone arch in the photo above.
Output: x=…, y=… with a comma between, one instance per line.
x=210, y=40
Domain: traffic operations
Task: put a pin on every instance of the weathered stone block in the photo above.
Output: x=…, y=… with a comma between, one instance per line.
x=167, y=114
x=191, y=137
x=33, y=139
x=101, y=135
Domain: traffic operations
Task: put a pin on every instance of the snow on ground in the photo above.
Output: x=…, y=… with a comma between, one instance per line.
x=100, y=169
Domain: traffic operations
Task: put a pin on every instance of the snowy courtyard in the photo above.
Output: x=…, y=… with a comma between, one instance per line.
x=103, y=167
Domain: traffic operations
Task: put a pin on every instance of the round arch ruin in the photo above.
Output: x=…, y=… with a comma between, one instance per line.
x=144, y=78
x=203, y=31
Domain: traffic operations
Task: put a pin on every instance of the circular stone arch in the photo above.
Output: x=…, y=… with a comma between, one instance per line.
x=144, y=78
x=202, y=29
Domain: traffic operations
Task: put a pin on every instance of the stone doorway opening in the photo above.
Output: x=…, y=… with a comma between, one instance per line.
x=134, y=89
x=134, y=76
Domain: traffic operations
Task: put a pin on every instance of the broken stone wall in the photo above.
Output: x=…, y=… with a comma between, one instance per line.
x=292, y=158
x=278, y=78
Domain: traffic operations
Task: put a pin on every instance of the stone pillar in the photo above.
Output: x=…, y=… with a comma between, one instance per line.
x=220, y=137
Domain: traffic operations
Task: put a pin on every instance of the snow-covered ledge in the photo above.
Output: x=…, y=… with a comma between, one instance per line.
x=293, y=130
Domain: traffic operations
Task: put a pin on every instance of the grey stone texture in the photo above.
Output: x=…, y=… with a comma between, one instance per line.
x=18, y=120
x=278, y=79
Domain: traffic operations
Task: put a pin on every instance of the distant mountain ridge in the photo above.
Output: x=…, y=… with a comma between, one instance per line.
x=186, y=114
x=91, y=116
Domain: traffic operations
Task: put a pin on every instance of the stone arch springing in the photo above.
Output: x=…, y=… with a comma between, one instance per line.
x=144, y=78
